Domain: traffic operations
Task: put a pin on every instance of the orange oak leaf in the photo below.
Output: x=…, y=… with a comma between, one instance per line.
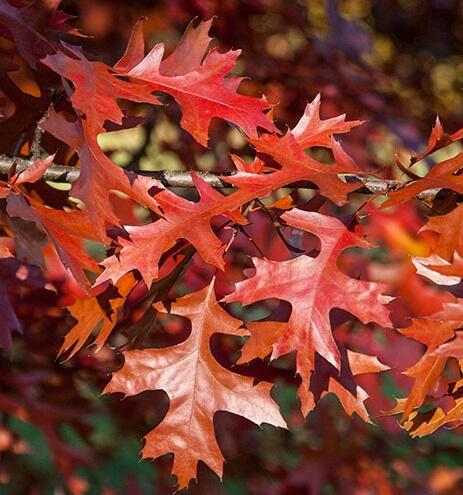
x=260, y=343
x=437, y=269
x=325, y=377
x=452, y=312
x=197, y=387
x=453, y=348
x=441, y=176
x=422, y=424
x=431, y=331
x=313, y=287
x=91, y=316
x=445, y=265
x=453, y=270
x=450, y=230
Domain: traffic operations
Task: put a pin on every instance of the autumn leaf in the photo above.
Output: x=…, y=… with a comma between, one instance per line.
x=431, y=331
x=98, y=174
x=91, y=316
x=451, y=312
x=452, y=271
x=32, y=173
x=196, y=78
x=437, y=140
x=263, y=335
x=25, y=25
x=13, y=275
x=197, y=387
x=297, y=166
x=445, y=265
x=66, y=230
x=421, y=424
x=313, y=131
x=183, y=219
x=325, y=378
x=449, y=228
x=96, y=88
x=313, y=287
x=186, y=57
x=440, y=176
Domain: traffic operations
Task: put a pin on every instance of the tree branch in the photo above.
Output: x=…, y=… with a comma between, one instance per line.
x=172, y=179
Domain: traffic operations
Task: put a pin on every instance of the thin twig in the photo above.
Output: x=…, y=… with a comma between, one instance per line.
x=250, y=239
x=36, y=143
x=277, y=225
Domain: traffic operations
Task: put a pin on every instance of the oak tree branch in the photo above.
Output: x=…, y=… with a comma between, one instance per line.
x=173, y=178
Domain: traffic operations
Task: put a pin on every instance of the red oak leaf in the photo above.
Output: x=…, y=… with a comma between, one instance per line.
x=186, y=57
x=96, y=88
x=312, y=131
x=32, y=173
x=183, y=219
x=98, y=174
x=296, y=166
x=313, y=287
x=197, y=387
x=197, y=80
x=437, y=140
x=26, y=24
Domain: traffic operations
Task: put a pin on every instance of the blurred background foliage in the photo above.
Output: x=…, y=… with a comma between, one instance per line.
x=396, y=65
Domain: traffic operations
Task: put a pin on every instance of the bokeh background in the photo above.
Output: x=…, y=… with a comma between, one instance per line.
x=396, y=65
